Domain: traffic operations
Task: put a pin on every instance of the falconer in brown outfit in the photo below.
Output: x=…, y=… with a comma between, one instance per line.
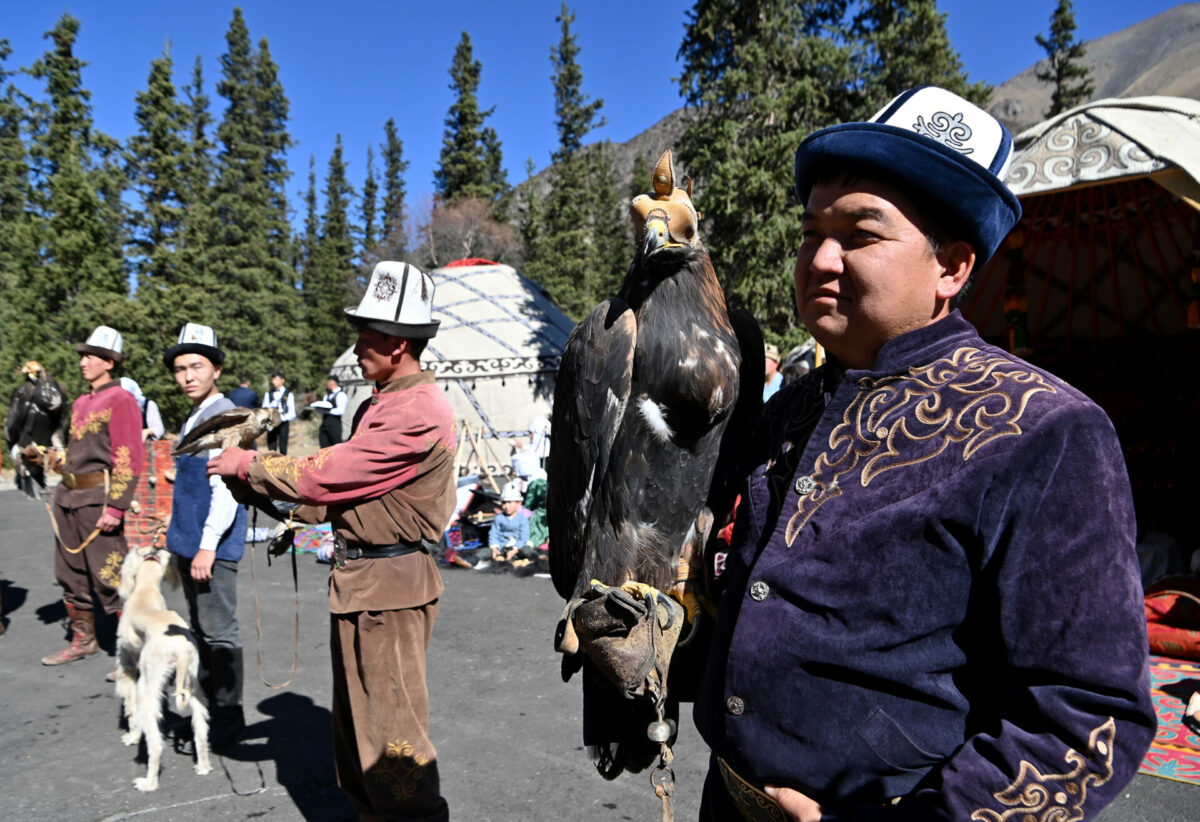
x=104, y=457
x=388, y=492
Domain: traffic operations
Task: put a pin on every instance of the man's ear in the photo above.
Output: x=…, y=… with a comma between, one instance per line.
x=958, y=261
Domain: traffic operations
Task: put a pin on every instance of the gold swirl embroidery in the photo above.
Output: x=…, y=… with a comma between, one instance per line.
x=90, y=424
x=1034, y=797
x=292, y=468
x=401, y=769
x=753, y=804
x=122, y=473
x=965, y=400
x=110, y=572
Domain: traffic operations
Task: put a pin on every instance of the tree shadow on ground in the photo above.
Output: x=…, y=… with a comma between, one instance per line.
x=298, y=738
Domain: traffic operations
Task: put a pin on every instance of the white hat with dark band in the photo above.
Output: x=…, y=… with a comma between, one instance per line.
x=104, y=342
x=398, y=302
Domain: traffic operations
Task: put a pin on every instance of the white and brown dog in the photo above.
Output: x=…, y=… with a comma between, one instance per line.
x=153, y=643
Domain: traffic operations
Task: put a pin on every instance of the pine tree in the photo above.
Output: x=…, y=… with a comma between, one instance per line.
x=256, y=307
x=198, y=225
x=155, y=171
x=370, y=201
x=1072, y=81
x=160, y=170
x=394, y=241
x=902, y=44
x=326, y=282
x=310, y=240
x=569, y=242
x=17, y=249
x=82, y=281
x=762, y=75
x=469, y=165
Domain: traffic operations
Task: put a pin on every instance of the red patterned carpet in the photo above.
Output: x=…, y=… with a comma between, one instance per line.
x=1175, y=752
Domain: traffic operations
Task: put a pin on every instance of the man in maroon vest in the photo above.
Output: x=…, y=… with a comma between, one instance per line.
x=103, y=460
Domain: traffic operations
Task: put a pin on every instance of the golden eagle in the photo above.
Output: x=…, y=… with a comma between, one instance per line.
x=646, y=392
x=235, y=428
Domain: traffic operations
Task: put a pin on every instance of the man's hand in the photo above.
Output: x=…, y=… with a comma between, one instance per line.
x=108, y=522
x=202, y=565
x=226, y=463
x=798, y=806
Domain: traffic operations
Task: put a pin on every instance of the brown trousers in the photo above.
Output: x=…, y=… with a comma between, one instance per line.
x=97, y=567
x=385, y=760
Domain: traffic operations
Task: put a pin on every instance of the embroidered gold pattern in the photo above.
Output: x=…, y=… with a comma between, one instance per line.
x=110, y=572
x=752, y=804
x=401, y=769
x=292, y=468
x=901, y=421
x=1034, y=797
x=122, y=473
x=89, y=424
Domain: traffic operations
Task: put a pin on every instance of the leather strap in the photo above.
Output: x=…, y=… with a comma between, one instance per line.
x=358, y=550
x=75, y=482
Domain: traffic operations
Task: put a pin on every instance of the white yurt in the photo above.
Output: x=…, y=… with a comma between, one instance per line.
x=1100, y=283
x=496, y=355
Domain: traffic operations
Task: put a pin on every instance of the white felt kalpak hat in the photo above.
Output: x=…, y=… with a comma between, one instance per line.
x=944, y=152
x=398, y=302
x=195, y=339
x=104, y=342
x=511, y=493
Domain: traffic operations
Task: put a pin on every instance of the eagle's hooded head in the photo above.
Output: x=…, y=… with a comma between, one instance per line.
x=666, y=223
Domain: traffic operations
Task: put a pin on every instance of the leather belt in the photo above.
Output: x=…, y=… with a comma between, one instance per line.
x=359, y=550
x=752, y=803
x=92, y=479
x=756, y=806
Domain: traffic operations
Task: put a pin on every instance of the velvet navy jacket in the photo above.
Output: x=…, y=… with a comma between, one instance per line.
x=932, y=594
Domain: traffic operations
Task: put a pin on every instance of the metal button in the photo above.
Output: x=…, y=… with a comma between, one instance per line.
x=805, y=485
x=759, y=591
x=735, y=705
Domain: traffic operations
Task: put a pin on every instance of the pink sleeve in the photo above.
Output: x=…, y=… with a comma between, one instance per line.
x=127, y=455
x=385, y=452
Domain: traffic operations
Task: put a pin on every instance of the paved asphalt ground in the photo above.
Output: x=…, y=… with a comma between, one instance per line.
x=506, y=727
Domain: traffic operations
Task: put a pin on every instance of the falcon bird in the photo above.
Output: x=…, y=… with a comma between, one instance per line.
x=645, y=393
x=235, y=428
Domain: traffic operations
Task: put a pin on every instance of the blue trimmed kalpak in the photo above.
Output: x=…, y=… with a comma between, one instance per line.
x=932, y=607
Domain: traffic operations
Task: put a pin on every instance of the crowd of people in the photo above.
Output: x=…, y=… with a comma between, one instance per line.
x=933, y=536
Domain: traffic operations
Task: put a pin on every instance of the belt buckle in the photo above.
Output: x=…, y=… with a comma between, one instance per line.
x=68, y=479
x=339, y=550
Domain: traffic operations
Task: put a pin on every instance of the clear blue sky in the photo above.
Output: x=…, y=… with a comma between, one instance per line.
x=348, y=66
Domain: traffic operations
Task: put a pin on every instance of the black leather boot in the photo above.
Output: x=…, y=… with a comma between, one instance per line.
x=227, y=719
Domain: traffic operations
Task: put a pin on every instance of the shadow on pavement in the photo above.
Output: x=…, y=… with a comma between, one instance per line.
x=52, y=612
x=298, y=738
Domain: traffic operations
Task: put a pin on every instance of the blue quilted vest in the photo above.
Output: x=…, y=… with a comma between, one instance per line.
x=192, y=498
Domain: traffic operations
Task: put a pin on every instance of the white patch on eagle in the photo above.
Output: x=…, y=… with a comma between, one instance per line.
x=690, y=362
x=613, y=400
x=652, y=413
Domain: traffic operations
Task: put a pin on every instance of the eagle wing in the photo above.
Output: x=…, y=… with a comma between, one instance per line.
x=590, y=396
x=736, y=439
x=190, y=444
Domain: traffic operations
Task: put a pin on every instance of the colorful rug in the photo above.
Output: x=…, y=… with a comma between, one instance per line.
x=1175, y=752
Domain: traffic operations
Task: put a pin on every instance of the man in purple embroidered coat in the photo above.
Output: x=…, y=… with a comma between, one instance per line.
x=931, y=604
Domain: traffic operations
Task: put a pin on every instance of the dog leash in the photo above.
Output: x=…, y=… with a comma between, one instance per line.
x=258, y=613
x=95, y=531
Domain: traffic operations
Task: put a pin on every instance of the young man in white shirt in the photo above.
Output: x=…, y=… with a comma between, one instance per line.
x=283, y=399
x=207, y=537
